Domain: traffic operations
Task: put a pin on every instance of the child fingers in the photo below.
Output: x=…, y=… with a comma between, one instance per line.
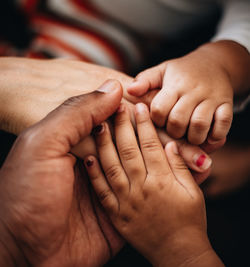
x=179, y=168
x=110, y=161
x=100, y=185
x=195, y=158
x=151, y=147
x=200, y=123
x=147, y=80
x=161, y=105
x=179, y=116
x=128, y=149
x=210, y=148
x=222, y=122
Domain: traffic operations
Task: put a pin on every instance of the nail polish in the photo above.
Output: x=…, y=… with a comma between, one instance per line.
x=98, y=129
x=203, y=162
x=89, y=162
x=200, y=160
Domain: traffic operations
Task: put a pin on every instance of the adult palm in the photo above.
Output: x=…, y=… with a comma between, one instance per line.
x=49, y=214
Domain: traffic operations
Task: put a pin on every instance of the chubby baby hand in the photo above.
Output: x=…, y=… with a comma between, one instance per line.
x=195, y=97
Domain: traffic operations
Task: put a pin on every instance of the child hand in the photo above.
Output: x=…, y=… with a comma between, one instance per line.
x=196, y=96
x=151, y=198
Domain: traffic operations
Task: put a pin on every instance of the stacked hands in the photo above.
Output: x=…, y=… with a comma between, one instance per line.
x=149, y=194
x=49, y=216
x=144, y=184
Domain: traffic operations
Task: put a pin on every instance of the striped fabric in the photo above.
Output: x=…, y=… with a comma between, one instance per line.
x=76, y=29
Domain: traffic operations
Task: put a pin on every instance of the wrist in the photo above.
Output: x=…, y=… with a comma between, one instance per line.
x=187, y=249
x=234, y=59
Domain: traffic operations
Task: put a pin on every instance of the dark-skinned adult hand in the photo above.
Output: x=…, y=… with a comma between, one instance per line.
x=40, y=86
x=48, y=215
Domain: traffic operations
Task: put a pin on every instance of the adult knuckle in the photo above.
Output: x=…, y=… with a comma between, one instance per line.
x=28, y=137
x=73, y=101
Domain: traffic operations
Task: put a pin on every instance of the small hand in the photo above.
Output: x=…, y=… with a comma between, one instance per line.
x=195, y=97
x=151, y=199
x=42, y=85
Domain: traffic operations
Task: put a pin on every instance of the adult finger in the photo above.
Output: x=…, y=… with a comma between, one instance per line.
x=67, y=125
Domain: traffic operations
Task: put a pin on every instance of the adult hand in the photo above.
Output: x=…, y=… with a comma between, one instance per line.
x=47, y=214
x=30, y=89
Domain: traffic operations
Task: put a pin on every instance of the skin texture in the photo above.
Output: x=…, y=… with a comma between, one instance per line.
x=49, y=216
x=196, y=91
x=155, y=204
x=30, y=89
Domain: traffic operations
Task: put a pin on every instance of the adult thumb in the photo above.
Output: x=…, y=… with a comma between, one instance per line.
x=68, y=124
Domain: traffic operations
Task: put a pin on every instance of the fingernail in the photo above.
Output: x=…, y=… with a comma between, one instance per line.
x=134, y=82
x=212, y=142
x=175, y=148
x=203, y=162
x=99, y=129
x=121, y=108
x=107, y=87
x=140, y=108
x=89, y=162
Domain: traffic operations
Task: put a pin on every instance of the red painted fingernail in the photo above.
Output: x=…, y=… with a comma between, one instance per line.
x=200, y=160
x=89, y=162
x=203, y=162
x=98, y=129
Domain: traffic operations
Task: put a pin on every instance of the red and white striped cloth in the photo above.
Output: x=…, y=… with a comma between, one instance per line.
x=78, y=30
